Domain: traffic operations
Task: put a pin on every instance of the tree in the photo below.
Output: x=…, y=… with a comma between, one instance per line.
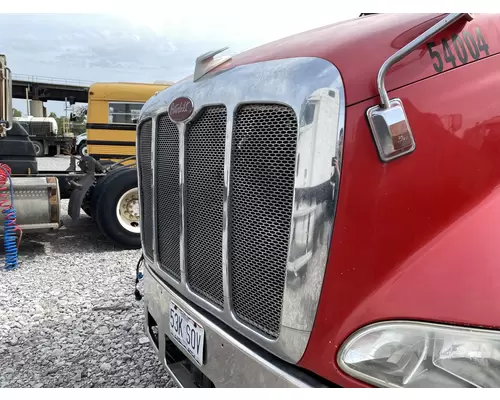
x=16, y=113
x=80, y=111
x=60, y=122
x=78, y=119
x=75, y=123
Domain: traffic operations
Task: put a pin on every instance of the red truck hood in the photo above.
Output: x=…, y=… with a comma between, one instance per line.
x=358, y=48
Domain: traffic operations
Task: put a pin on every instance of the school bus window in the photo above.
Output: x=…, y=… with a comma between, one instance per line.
x=123, y=113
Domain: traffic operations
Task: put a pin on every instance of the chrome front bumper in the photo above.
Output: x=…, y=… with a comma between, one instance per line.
x=228, y=361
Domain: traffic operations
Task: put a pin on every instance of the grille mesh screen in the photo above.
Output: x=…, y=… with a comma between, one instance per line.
x=262, y=170
x=146, y=186
x=168, y=198
x=204, y=177
x=261, y=201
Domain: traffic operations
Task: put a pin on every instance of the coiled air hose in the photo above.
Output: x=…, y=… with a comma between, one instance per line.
x=10, y=224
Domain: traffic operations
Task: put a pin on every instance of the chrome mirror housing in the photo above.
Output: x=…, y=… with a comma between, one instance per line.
x=391, y=130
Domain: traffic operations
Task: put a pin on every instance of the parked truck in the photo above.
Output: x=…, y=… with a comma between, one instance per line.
x=81, y=144
x=324, y=210
x=44, y=135
x=30, y=199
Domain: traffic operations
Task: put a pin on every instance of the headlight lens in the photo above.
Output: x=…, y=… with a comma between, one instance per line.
x=414, y=354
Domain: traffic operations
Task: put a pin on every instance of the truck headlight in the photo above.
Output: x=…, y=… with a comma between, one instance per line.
x=417, y=354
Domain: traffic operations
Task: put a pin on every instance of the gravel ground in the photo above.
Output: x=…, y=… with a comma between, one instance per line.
x=69, y=317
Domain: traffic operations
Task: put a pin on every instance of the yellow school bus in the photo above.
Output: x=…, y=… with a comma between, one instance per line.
x=112, y=108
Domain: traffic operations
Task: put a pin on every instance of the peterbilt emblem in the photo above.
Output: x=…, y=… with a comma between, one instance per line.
x=180, y=109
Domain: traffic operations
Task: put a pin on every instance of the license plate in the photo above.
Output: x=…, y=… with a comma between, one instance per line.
x=187, y=332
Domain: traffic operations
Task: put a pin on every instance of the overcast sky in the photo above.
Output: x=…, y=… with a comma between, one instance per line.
x=148, y=46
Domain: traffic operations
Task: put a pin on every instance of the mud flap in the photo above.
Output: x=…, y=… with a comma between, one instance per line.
x=80, y=188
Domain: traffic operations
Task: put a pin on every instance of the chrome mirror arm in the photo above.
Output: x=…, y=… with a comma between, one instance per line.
x=403, y=52
x=388, y=121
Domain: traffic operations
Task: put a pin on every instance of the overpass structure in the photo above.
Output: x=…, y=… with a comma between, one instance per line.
x=45, y=88
x=40, y=89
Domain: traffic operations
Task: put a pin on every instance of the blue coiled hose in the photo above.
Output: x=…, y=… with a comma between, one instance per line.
x=10, y=225
x=10, y=239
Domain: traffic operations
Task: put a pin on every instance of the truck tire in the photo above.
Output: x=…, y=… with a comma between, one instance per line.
x=38, y=148
x=98, y=189
x=117, y=209
x=86, y=209
x=92, y=197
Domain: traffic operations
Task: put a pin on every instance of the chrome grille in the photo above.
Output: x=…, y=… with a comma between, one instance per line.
x=204, y=180
x=261, y=202
x=146, y=186
x=167, y=196
x=260, y=222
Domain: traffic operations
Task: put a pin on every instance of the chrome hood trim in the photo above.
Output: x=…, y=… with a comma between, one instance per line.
x=313, y=88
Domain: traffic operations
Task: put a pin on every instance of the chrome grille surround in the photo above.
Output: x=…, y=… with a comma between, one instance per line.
x=304, y=84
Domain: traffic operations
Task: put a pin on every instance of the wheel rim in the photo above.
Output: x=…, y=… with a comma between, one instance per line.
x=38, y=149
x=85, y=152
x=127, y=211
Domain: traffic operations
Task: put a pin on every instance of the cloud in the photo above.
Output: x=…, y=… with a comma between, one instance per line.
x=97, y=48
x=134, y=47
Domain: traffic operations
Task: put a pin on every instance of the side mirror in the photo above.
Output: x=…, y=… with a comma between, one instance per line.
x=388, y=122
x=391, y=130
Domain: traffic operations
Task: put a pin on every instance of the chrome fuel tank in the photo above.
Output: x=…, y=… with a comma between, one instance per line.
x=36, y=202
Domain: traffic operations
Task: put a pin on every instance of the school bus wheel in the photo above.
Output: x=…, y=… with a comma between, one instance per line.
x=117, y=208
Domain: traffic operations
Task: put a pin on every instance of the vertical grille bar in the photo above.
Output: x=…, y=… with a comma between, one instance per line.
x=260, y=209
x=167, y=196
x=145, y=135
x=204, y=177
